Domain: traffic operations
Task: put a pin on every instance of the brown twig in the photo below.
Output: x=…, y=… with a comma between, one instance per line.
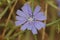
x=43, y=34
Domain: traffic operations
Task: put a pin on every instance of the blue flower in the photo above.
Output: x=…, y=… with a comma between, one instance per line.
x=30, y=20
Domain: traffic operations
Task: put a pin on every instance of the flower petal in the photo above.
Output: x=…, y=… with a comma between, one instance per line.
x=34, y=30
x=40, y=16
x=37, y=9
x=39, y=25
x=20, y=13
x=18, y=18
x=27, y=9
x=24, y=27
x=17, y=23
x=30, y=25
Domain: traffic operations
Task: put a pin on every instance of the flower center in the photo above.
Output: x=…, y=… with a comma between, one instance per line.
x=30, y=19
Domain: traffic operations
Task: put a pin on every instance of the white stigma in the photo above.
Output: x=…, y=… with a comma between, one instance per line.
x=30, y=19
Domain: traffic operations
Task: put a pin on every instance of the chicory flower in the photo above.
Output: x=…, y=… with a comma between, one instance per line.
x=30, y=20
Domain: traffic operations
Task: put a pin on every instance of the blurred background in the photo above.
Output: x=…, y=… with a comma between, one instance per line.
x=8, y=30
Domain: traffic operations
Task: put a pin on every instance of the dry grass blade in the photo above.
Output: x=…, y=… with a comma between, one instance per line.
x=43, y=34
x=12, y=9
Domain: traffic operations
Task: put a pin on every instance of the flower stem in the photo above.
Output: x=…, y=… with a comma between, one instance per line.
x=32, y=5
x=35, y=37
x=27, y=35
